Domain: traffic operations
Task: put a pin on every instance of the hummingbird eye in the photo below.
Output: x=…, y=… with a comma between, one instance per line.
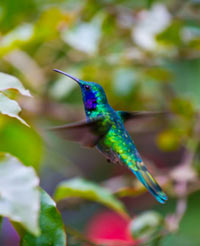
x=87, y=87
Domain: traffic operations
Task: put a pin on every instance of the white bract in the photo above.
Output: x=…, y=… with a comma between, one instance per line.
x=150, y=23
x=19, y=194
x=8, y=106
x=85, y=36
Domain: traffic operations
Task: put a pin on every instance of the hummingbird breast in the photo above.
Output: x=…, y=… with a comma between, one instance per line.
x=117, y=145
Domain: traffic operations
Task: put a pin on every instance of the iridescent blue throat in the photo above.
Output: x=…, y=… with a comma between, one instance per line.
x=91, y=101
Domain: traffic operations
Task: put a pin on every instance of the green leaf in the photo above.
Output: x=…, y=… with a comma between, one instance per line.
x=15, y=12
x=10, y=107
x=21, y=141
x=150, y=3
x=189, y=225
x=10, y=82
x=79, y=187
x=179, y=240
x=186, y=79
x=51, y=225
x=19, y=195
x=47, y=26
x=172, y=34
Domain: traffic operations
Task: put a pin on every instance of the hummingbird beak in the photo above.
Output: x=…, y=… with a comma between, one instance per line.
x=68, y=75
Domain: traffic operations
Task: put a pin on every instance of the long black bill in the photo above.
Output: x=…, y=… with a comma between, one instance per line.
x=68, y=75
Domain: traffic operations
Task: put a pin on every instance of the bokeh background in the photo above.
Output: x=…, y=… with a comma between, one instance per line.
x=146, y=55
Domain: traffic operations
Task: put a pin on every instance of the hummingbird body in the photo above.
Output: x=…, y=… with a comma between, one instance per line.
x=104, y=129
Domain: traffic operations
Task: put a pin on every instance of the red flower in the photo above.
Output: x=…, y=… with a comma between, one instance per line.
x=108, y=226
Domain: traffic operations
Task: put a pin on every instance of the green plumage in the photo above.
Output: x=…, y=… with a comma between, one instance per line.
x=105, y=130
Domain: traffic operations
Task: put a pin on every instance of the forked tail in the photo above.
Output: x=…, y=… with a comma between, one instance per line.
x=149, y=182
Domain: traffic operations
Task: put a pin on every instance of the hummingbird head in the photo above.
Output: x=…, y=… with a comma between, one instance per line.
x=93, y=94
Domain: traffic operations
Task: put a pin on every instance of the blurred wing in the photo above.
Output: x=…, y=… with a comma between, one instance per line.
x=132, y=117
x=87, y=133
x=125, y=115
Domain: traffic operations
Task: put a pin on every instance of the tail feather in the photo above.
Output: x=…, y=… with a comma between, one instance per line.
x=149, y=182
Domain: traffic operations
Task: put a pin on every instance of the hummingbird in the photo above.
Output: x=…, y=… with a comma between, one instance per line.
x=104, y=128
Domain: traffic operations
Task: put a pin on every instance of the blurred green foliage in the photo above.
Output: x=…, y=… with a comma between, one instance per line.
x=87, y=190
x=51, y=225
x=188, y=233
x=15, y=135
x=146, y=55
